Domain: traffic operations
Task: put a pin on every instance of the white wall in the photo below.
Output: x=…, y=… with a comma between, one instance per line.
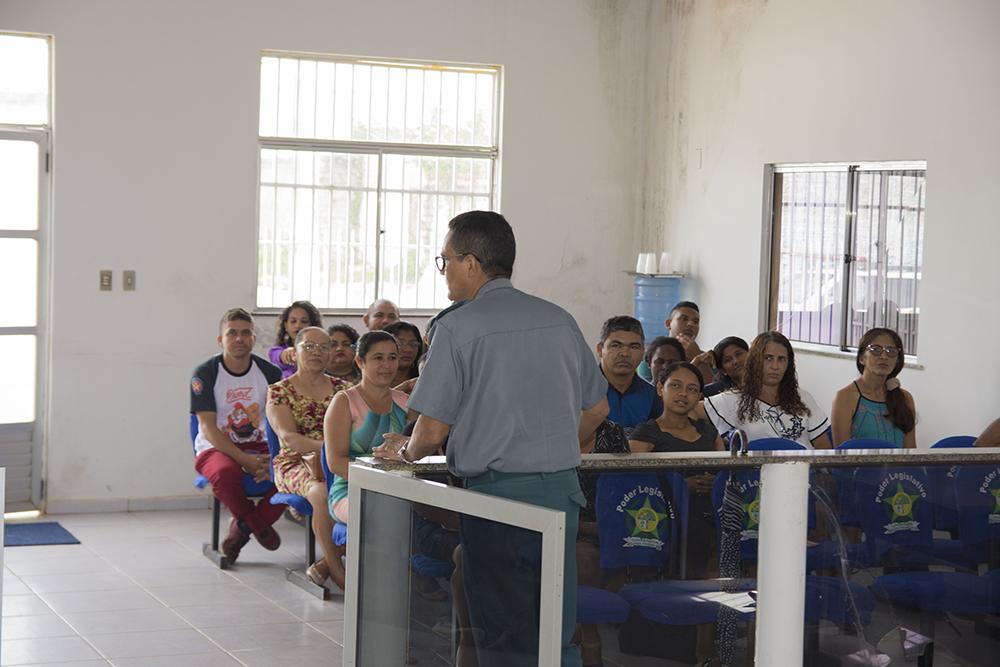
x=789, y=81
x=154, y=170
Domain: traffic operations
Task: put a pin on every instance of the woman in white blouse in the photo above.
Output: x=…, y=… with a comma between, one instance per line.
x=769, y=403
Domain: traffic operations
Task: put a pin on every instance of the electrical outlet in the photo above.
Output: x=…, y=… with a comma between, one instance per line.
x=105, y=284
x=128, y=281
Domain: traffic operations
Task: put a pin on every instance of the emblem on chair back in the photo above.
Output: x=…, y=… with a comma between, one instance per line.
x=979, y=503
x=635, y=520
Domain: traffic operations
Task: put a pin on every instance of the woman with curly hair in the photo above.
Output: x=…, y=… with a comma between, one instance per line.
x=874, y=405
x=295, y=318
x=768, y=402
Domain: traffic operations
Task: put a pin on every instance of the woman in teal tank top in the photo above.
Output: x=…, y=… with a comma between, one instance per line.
x=359, y=417
x=874, y=405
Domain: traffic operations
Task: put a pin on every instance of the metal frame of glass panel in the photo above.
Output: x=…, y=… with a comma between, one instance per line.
x=549, y=523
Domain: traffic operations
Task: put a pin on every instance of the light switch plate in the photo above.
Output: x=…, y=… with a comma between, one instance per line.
x=105, y=284
x=128, y=281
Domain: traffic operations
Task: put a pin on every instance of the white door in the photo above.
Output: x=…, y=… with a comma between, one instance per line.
x=23, y=178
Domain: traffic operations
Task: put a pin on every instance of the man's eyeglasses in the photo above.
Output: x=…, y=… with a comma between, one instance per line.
x=878, y=351
x=442, y=260
x=313, y=347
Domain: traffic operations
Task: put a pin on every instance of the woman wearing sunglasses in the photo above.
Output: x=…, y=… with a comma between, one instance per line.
x=874, y=405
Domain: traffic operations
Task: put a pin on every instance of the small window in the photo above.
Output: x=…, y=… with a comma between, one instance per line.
x=847, y=234
x=362, y=164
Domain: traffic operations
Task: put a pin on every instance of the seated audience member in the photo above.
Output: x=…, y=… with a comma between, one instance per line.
x=411, y=349
x=990, y=437
x=227, y=394
x=343, y=340
x=729, y=356
x=684, y=323
x=380, y=314
x=293, y=319
x=631, y=399
x=769, y=403
x=660, y=353
x=295, y=409
x=359, y=417
x=874, y=405
x=609, y=438
x=680, y=385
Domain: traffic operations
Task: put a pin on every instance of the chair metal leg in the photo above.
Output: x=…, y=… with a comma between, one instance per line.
x=298, y=577
x=211, y=551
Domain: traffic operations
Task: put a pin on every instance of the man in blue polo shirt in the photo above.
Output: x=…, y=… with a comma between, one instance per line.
x=631, y=399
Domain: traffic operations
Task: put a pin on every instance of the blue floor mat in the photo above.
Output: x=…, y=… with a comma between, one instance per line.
x=34, y=534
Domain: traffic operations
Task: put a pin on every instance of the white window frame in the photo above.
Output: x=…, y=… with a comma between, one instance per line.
x=379, y=149
x=767, y=319
x=41, y=135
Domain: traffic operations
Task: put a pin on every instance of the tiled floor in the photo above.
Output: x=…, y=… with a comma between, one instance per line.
x=138, y=591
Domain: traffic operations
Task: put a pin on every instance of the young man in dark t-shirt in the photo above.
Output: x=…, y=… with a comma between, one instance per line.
x=228, y=395
x=631, y=399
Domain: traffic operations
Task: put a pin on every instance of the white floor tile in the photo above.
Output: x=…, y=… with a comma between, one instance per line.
x=36, y=627
x=129, y=620
x=257, y=613
x=69, y=583
x=215, y=659
x=24, y=605
x=245, y=637
x=157, y=643
x=68, y=603
x=226, y=594
x=52, y=649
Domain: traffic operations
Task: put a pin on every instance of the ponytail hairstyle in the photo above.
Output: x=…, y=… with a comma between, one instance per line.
x=753, y=380
x=899, y=412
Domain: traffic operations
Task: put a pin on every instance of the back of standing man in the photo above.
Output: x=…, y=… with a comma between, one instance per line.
x=509, y=379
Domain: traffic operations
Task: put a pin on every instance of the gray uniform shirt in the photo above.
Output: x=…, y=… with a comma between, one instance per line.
x=510, y=373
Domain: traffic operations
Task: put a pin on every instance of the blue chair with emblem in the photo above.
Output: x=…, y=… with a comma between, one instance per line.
x=898, y=519
x=827, y=598
x=305, y=509
x=638, y=524
x=943, y=481
x=254, y=490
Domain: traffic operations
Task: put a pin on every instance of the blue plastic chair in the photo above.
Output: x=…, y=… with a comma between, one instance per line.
x=897, y=517
x=339, y=529
x=253, y=489
x=596, y=606
x=943, y=481
x=847, y=510
x=773, y=445
x=826, y=597
x=303, y=507
x=954, y=442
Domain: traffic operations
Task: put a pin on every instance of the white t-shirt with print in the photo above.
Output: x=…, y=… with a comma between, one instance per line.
x=773, y=422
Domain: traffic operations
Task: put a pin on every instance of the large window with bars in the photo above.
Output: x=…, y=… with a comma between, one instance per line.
x=846, y=251
x=362, y=163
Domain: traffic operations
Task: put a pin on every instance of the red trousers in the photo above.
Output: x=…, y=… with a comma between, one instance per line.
x=226, y=477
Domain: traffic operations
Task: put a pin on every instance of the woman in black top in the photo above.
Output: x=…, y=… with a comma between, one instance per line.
x=680, y=385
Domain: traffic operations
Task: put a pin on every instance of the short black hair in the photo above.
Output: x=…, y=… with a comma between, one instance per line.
x=487, y=236
x=346, y=329
x=684, y=304
x=235, y=315
x=659, y=342
x=621, y=323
